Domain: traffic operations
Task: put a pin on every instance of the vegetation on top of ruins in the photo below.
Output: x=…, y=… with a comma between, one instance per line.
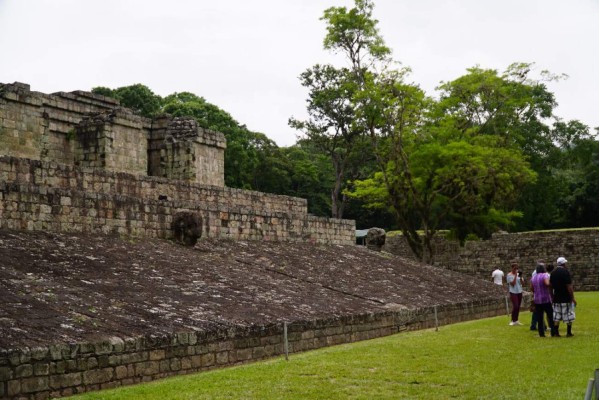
x=485, y=153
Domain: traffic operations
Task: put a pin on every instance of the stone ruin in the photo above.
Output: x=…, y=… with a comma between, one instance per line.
x=86, y=130
x=79, y=162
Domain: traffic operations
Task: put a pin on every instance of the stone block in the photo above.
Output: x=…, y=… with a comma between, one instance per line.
x=175, y=364
x=222, y=358
x=97, y=376
x=13, y=388
x=186, y=363
x=196, y=361
x=178, y=351
x=134, y=357
x=258, y=353
x=59, y=351
x=165, y=366
x=207, y=359
x=121, y=372
x=66, y=380
x=6, y=373
x=243, y=354
x=14, y=357
x=157, y=355
x=39, y=353
x=41, y=369
x=114, y=360
x=147, y=368
x=23, y=371
x=35, y=384
x=71, y=365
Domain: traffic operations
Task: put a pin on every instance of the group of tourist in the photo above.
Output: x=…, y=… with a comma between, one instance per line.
x=553, y=295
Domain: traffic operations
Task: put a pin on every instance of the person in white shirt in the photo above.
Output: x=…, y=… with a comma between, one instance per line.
x=515, y=282
x=497, y=277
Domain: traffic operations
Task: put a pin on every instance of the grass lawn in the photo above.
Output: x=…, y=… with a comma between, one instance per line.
x=485, y=359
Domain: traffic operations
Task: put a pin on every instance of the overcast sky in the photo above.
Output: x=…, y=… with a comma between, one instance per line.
x=245, y=56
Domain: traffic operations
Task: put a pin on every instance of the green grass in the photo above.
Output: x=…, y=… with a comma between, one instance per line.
x=484, y=359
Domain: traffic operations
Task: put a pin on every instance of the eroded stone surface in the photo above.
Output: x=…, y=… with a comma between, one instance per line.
x=62, y=288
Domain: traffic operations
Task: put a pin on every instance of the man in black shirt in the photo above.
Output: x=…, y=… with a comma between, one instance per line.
x=563, y=296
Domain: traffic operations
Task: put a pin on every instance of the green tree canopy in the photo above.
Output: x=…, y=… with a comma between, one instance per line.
x=137, y=97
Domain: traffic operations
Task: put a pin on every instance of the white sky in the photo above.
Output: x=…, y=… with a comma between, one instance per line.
x=245, y=56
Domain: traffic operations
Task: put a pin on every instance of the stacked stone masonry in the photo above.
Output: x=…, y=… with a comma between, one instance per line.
x=38, y=195
x=93, y=131
x=480, y=258
x=77, y=162
x=67, y=369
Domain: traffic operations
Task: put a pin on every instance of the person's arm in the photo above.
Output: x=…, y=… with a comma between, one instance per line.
x=512, y=282
x=571, y=291
x=546, y=280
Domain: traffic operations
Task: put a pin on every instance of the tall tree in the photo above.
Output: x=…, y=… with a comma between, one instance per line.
x=435, y=170
x=331, y=125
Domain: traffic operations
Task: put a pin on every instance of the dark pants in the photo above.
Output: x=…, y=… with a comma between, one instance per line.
x=516, y=302
x=548, y=310
x=534, y=320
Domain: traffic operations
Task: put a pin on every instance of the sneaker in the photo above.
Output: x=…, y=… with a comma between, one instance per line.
x=517, y=323
x=512, y=323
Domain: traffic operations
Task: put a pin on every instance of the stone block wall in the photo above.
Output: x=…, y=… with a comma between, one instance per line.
x=81, y=128
x=209, y=158
x=480, y=258
x=66, y=369
x=189, y=152
x=40, y=126
x=111, y=141
x=37, y=195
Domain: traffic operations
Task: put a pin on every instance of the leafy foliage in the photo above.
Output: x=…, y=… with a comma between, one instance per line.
x=487, y=153
x=137, y=97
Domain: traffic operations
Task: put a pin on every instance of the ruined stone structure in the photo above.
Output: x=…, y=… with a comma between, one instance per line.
x=479, y=258
x=86, y=130
x=77, y=162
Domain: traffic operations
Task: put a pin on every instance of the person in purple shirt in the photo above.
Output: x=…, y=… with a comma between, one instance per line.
x=541, y=289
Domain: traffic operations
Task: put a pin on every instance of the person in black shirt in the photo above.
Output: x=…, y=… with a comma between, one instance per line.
x=563, y=296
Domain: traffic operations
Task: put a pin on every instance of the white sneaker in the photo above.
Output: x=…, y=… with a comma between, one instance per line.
x=512, y=323
x=517, y=323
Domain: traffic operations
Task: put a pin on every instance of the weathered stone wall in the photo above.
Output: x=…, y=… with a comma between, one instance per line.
x=87, y=167
x=480, y=258
x=66, y=369
x=41, y=126
x=37, y=195
x=93, y=131
x=111, y=141
x=188, y=152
